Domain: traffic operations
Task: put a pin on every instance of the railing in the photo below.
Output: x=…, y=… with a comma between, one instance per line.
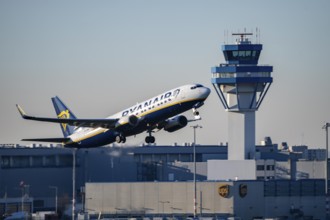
x=248, y=74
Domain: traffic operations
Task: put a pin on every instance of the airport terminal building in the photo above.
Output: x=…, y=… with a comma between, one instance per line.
x=153, y=181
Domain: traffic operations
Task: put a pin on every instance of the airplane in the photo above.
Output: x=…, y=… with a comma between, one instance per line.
x=160, y=112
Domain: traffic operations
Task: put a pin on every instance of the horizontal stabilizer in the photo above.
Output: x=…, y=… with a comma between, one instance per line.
x=51, y=140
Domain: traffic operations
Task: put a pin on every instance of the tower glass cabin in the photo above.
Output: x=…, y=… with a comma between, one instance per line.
x=241, y=85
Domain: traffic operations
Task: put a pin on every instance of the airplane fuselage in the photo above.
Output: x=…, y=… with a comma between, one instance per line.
x=150, y=113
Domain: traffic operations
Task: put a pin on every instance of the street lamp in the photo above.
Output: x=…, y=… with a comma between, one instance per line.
x=195, y=204
x=55, y=187
x=74, y=150
x=326, y=156
x=25, y=193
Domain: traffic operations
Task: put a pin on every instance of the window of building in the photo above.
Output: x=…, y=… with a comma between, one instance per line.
x=260, y=178
x=21, y=161
x=185, y=157
x=199, y=158
x=242, y=55
x=65, y=160
x=270, y=167
x=37, y=161
x=147, y=158
x=5, y=162
x=50, y=161
x=260, y=167
x=173, y=157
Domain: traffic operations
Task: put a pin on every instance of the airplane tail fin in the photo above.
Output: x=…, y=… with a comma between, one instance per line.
x=63, y=111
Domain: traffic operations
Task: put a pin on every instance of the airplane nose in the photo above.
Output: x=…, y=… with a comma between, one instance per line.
x=205, y=92
x=208, y=91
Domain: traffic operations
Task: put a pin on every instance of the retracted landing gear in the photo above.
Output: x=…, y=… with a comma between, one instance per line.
x=120, y=138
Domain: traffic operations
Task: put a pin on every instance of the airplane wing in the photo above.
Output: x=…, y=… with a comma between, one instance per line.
x=54, y=140
x=93, y=123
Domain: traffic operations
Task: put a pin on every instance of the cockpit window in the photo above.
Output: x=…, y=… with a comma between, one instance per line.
x=196, y=86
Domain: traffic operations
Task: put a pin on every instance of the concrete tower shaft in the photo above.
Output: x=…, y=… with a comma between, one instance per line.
x=241, y=85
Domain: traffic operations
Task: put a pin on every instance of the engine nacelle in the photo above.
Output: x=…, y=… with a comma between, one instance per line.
x=132, y=120
x=176, y=123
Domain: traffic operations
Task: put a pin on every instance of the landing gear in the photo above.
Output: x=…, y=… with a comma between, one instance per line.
x=120, y=138
x=196, y=114
x=150, y=139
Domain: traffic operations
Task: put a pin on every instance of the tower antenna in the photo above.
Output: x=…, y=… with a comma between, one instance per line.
x=224, y=36
x=257, y=35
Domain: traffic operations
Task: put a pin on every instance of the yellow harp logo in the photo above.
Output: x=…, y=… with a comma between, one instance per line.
x=64, y=115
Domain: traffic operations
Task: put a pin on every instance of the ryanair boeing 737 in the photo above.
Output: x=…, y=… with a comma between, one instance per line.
x=159, y=112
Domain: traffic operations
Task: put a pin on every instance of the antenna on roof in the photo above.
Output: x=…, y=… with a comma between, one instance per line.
x=224, y=36
x=257, y=35
x=243, y=37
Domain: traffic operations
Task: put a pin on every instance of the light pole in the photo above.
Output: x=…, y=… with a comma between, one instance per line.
x=22, y=199
x=55, y=187
x=326, y=156
x=74, y=150
x=25, y=193
x=195, y=205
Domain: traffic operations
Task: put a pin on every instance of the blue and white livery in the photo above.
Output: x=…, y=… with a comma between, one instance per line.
x=160, y=112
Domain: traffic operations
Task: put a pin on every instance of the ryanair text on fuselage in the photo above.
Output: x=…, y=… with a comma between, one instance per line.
x=151, y=102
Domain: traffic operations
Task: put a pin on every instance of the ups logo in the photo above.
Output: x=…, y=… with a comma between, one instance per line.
x=224, y=191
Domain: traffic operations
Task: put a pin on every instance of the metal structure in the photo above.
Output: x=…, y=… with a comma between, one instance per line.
x=326, y=126
x=195, y=190
x=241, y=85
x=74, y=151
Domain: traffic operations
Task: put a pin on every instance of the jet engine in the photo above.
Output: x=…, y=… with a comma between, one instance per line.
x=175, y=123
x=132, y=120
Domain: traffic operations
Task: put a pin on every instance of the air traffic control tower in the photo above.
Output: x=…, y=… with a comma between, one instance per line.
x=241, y=85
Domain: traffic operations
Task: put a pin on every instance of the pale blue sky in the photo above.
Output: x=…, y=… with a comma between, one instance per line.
x=103, y=56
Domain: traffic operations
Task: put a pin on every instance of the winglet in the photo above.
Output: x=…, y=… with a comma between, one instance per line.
x=21, y=111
